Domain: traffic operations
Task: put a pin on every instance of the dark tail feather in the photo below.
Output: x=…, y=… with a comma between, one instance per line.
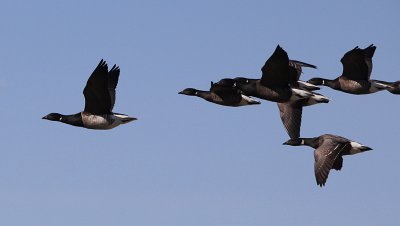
x=128, y=119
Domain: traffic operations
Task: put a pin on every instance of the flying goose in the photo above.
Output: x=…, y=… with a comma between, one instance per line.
x=280, y=83
x=328, y=153
x=355, y=79
x=99, y=95
x=222, y=95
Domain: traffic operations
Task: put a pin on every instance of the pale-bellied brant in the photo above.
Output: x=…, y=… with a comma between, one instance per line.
x=328, y=153
x=99, y=95
x=355, y=79
x=222, y=95
x=279, y=83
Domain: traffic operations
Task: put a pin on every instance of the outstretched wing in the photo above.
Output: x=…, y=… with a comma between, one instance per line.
x=275, y=72
x=291, y=118
x=325, y=157
x=97, y=96
x=113, y=76
x=357, y=63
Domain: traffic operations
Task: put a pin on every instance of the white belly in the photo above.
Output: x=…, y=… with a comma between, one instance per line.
x=100, y=121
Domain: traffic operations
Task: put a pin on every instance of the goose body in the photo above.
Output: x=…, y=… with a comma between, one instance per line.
x=222, y=95
x=328, y=153
x=355, y=78
x=99, y=95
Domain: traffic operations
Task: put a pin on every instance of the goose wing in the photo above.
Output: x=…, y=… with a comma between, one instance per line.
x=357, y=63
x=325, y=158
x=97, y=96
x=291, y=118
x=113, y=76
x=275, y=72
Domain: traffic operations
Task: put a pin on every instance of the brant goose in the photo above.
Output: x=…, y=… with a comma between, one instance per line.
x=99, y=95
x=280, y=83
x=328, y=153
x=222, y=95
x=355, y=79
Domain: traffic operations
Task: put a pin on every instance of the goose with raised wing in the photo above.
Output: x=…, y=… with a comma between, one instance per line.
x=355, y=78
x=99, y=95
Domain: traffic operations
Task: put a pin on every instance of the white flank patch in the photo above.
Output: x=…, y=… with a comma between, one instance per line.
x=306, y=85
x=355, y=144
x=302, y=142
x=249, y=99
x=302, y=93
x=120, y=115
x=319, y=97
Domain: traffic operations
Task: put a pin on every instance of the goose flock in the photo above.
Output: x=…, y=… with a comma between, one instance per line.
x=280, y=82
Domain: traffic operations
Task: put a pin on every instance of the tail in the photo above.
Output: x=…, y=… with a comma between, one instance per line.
x=128, y=119
x=317, y=98
x=124, y=118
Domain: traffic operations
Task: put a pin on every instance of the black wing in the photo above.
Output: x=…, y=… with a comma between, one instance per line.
x=291, y=118
x=275, y=72
x=97, y=97
x=325, y=158
x=113, y=76
x=357, y=63
x=296, y=68
x=230, y=95
x=337, y=165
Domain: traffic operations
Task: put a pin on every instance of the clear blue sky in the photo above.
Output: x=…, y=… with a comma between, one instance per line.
x=187, y=162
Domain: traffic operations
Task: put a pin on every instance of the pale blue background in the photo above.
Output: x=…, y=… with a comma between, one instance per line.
x=187, y=162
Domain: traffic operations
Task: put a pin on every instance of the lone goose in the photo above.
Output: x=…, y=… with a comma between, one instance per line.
x=279, y=83
x=99, y=95
x=328, y=153
x=355, y=79
x=222, y=95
